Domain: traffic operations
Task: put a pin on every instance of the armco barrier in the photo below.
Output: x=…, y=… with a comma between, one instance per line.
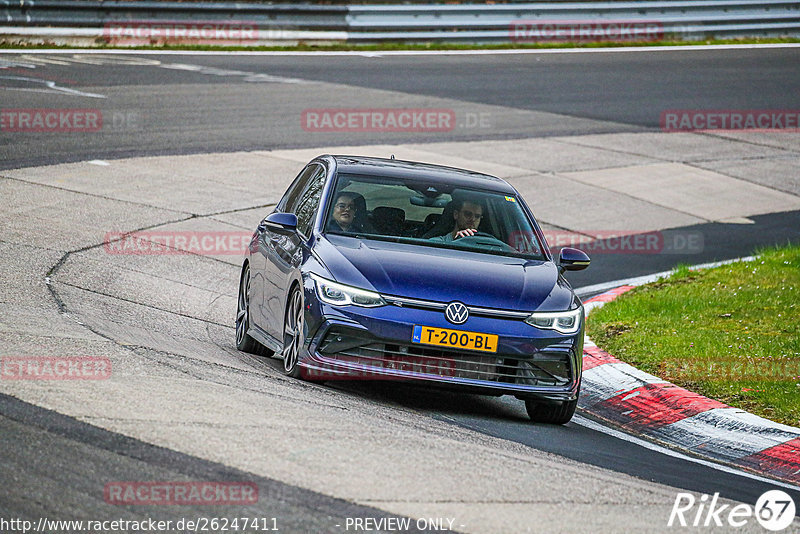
x=476, y=23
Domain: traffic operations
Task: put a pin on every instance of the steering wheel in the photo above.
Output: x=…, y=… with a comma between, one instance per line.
x=484, y=239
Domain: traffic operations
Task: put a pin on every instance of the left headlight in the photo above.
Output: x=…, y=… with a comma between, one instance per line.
x=341, y=295
x=567, y=322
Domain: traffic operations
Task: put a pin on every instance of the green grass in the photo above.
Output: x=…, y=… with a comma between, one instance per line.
x=388, y=46
x=731, y=333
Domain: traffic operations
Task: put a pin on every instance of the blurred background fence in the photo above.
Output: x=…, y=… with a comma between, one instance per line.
x=254, y=23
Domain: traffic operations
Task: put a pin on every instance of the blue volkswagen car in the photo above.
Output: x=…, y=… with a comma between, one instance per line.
x=382, y=269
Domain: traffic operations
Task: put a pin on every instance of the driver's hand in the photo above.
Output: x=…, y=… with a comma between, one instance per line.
x=466, y=233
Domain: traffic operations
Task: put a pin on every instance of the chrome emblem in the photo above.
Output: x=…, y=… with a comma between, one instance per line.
x=456, y=313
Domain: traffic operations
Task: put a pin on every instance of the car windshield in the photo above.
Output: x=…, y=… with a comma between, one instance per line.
x=431, y=214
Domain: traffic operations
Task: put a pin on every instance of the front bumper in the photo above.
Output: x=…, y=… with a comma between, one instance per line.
x=355, y=343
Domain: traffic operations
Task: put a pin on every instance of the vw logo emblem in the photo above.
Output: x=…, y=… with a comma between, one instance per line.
x=456, y=313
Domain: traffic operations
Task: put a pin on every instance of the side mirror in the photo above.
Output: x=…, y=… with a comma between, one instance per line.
x=572, y=259
x=281, y=222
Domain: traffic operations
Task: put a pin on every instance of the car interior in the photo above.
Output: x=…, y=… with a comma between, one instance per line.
x=406, y=212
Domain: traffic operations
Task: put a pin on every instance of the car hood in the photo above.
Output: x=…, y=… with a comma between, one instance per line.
x=445, y=275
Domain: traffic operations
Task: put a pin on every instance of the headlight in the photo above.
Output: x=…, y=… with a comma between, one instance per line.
x=342, y=295
x=567, y=322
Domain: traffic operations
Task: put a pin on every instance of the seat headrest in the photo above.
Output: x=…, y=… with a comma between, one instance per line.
x=389, y=214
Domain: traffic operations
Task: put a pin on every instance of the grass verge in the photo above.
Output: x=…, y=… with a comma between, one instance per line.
x=731, y=333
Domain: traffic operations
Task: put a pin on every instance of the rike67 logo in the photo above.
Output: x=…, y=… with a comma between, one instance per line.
x=774, y=510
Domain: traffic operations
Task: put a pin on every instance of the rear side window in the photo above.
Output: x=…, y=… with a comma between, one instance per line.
x=309, y=202
x=291, y=198
x=302, y=197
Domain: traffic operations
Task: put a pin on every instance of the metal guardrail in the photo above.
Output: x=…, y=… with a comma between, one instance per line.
x=481, y=23
x=688, y=19
x=93, y=14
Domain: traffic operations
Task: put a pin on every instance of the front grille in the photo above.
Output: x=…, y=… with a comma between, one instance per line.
x=548, y=367
x=440, y=306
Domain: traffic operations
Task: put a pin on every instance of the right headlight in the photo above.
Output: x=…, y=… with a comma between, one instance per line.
x=341, y=295
x=567, y=322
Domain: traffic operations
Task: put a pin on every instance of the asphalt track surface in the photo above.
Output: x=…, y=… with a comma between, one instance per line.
x=183, y=110
x=77, y=453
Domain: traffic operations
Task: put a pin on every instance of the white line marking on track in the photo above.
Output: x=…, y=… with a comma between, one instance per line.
x=631, y=49
x=248, y=76
x=592, y=425
x=51, y=87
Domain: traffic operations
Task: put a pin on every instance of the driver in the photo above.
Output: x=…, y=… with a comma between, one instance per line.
x=467, y=216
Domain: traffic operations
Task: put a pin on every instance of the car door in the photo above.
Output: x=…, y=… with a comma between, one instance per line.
x=282, y=251
x=263, y=285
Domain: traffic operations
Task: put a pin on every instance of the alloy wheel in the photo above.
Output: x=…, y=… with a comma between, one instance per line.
x=293, y=333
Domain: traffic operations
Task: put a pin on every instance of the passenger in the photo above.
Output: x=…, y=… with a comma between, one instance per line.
x=344, y=214
x=467, y=216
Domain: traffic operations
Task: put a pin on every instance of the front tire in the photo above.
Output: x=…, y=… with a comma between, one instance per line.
x=558, y=413
x=293, y=335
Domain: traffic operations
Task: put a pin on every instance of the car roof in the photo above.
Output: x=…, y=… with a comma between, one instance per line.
x=395, y=168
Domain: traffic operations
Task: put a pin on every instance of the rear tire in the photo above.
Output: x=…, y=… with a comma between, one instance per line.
x=558, y=413
x=244, y=342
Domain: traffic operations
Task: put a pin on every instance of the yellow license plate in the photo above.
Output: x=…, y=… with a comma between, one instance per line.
x=459, y=339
